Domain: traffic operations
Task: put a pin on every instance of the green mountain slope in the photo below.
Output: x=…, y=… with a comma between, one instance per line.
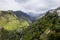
x=45, y=28
x=11, y=25
x=10, y=21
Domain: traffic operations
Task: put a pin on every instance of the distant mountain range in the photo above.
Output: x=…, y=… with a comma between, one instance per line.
x=24, y=16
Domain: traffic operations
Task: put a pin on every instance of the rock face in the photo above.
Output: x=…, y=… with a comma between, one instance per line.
x=58, y=11
x=55, y=10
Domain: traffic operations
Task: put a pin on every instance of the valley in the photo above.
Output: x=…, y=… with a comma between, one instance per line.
x=17, y=25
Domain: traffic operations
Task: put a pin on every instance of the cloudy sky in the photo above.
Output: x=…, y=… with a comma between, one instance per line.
x=34, y=6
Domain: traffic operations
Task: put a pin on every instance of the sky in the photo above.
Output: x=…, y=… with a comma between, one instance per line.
x=34, y=6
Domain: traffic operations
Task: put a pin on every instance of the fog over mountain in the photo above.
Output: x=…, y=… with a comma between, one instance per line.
x=29, y=19
x=34, y=6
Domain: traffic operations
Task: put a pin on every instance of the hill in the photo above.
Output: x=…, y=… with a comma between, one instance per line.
x=10, y=21
x=45, y=28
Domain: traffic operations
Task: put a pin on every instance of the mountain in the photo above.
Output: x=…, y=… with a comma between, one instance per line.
x=10, y=21
x=45, y=28
x=25, y=16
x=35, y=15
x=16, y=27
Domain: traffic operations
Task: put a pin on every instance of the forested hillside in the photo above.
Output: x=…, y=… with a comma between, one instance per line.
x=45, y=28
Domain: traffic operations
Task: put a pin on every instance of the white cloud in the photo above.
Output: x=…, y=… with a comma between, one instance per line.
x=9, y=5
x=35, y=6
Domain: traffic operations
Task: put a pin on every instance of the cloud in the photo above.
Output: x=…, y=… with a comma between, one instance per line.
x=35, y=6
x=8, y=5
x=21, y=1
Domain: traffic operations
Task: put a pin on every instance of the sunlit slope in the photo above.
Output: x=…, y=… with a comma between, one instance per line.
x=10, y=21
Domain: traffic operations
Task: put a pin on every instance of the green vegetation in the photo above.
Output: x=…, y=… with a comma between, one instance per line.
x=15, y=28
x=11, y=26
x=10, y=21
x=45, y=28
